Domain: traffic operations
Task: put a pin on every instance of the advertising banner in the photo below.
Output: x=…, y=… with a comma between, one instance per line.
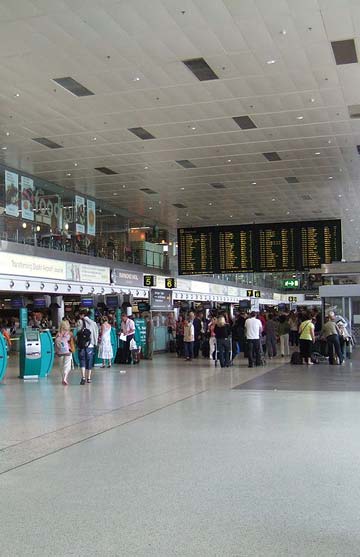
x=39, y=267
x=91, y=217
x=11, y=193
x=27, y=198
x=87, y=273
x=123, y=277
x=80, y=214
x=49, y=209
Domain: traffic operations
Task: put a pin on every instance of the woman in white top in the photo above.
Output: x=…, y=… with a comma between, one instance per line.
x=105, y=347
x=189, y=338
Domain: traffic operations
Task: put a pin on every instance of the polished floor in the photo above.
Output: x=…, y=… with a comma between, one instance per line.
x=179, y=459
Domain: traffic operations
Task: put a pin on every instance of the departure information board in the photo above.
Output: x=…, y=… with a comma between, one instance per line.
x=235, y=249
x=276, y=247
x=290, y=246
x=197, y=251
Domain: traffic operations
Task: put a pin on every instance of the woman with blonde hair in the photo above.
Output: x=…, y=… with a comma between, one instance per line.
x=223, y=341
x=64, y=348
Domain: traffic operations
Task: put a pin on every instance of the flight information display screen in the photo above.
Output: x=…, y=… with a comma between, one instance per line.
x=289, y=246
x=197, y=249
x=235, y=249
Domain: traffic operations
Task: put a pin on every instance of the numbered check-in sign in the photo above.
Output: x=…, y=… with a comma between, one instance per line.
x=149, y=281
x=170, y=282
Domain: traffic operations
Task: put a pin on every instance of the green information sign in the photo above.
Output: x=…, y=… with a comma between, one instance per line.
x=140, y=324
x=291, y=283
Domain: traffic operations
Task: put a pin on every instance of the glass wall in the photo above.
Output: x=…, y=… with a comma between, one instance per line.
x=39, y=213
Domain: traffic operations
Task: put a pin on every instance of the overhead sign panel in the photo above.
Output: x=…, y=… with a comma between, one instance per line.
x=289, y=246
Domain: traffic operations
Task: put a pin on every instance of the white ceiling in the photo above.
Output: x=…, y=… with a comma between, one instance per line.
x=107, y=44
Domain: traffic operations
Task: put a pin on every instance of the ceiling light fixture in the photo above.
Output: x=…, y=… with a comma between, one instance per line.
x=146, y=168
x=75, y=163
x=4, y=148
x=253, y=183
x=124, y=186
x=273, y=199
x=17, y=95
x=312, y=100
x=339, y=195
x=330, y=177
x=115, y=193
x=317, y=153
x=283, y=32
x=24, y=225
x=299, y=117
x=68, y=174
x=210, y=203
x=229, y=160
x=182, y=189
x=7, y=134
x=150, y=208
x=94, y=138
x=193, y=127
x=270, y=61
x=137, y=78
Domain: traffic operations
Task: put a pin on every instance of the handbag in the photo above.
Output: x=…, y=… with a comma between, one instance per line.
x=133, y=345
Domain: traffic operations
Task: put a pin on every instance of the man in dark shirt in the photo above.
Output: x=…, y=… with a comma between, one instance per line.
x=197, y=334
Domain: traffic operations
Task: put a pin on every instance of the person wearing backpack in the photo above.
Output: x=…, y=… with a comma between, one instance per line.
x=64, y=348
x=86, y=339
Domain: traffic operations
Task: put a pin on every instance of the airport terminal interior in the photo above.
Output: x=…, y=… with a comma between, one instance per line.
x=179, y=278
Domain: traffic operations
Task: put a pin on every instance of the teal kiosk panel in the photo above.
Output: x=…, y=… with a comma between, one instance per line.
x=30, y=353
x=3, y=357
x=47, y=353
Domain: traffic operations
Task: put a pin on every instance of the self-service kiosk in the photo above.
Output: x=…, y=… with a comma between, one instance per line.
x=30, y=354
x=47, y=353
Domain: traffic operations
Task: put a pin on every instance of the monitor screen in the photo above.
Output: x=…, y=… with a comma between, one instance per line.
x=112, y=301
x=87, y=302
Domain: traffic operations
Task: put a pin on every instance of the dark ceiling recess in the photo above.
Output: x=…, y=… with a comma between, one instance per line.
x=73, y=86
x=272, y=156
x=149, y=191
x=47, y=142
x=358, y=148
x=105, y=170
x=186, y=164
x=244, y=122
x=354, y=110
x=180, y=205
x=142, y=133
x=218, y=186
x=292, y=180
x=344, y=52
x=200, y=69
x=259, y=214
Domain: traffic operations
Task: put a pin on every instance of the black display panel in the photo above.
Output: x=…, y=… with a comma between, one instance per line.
x=236, y=249
x=197, y=248
x=320, y=243
x=274, y=247
x=112, y=301
x=276, y=244
x=87, y=302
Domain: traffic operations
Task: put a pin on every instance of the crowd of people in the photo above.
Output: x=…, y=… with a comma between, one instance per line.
x=260, y=334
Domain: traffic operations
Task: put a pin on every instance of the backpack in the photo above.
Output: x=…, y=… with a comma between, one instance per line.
x=62, y=346
x=83, y=337
x=296, y=359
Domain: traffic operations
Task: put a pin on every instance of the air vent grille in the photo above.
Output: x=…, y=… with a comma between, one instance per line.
x=218, y=186
x=47, y=142
x=292, y=180
x=272, y=156
x=244, y=122
x=73, y=86
x=358, y=148
x=186, y=164
x=306, y=197
x=142, y=133
x=149, y=191
x=105, y=170
x=200, y=69
x=344, y=52
x=179, y=205
x=259, y=214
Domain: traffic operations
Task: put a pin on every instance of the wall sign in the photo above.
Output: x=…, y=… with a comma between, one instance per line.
x=91, y=217
x=292, y=298
x=126, y=278
x=257, y=294
x=80, y=214
x=27, y=198
x=170, y=282
x=11, y=193
x=161, y=300
x=250, y=293
x=149, y=280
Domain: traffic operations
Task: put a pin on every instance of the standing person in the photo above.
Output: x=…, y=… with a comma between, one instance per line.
x=212, y=340
x=87, y=339
x=283, y=330
x=180, y=336
x=294, y=329
x=331, y=332
x=189, y=339
x=127, y=329
x=223, y=341
x=105, y=347
x=197, y=334
x=64, y=346
x=149, y=337
x=271, y=335
x=253, y=329
x=306, y=338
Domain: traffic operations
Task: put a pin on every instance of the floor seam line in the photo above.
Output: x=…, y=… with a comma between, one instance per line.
x=101, y=432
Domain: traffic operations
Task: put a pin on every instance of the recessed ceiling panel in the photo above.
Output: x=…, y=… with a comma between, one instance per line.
x=200, y=69
x=344, y=52
x=73, y=86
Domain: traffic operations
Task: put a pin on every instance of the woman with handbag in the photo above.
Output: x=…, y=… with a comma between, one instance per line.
x=64, y=349
x=306, y=339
